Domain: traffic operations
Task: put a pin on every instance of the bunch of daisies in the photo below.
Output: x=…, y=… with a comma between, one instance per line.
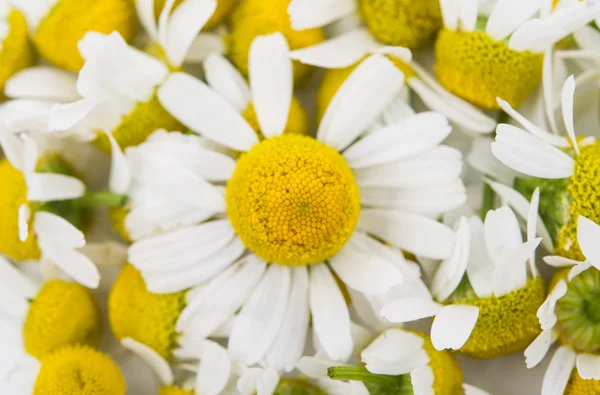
x=299, y=197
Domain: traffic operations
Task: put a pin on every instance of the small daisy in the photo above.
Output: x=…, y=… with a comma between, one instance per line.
x=564, y=168
x=487, y=293
x=41, y=210
x=47, y=20
x=291, y=205
x=253, y=18
x=571, y=316
x=393, y=22
x=212, y=374
x=39, y=319
x=502, y=56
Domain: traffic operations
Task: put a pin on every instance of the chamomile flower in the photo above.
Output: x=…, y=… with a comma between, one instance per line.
x=16, y=51
x=480, y=60
x=117, y=86
x=291, y=205
x=40, y=204
x=564, y=168
x=253, y=18
x=39, y=319
x=392, y=22
x=570, y=316
x=212, y=374
x=486, y=294
x=58, y=25
x=222, y=10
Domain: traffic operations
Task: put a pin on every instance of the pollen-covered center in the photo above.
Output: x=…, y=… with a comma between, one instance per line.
x=407, y=23
x=578, y=313
x=78, y=371
x=143, y=316
x=506, y=324
x=479, y=69
x=63, y=313
x=293, y=200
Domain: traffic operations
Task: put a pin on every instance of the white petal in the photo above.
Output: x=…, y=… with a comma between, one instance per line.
x=402, y=53
x=214, y=369
x=306, y=14
x=204, y=111
x=13, y=279
x=508, y=15
x=65, y=116
x=511, y=270
x=410, y=309
x=537, y=350
x=452, y=270
x=13, y=148
x=588, y=236
x=450, y=13
x=532, y=227
x=43, y=83
x=157, y=363
x=73, y=263
x=205, y=44
x=588, y=366
x=395, y=352
x=417, y=234
x=51, y=226
x=120, y=174
x=422, y=381
x=501, y=229
x=338, y=52
x=535, y=35
x=568, y=94
x=359, y=101
x=223, y=77
x=256, y=327
x=257, y=381
x=145, y=11
x=546, y=313
x=184, y=25
x=481, y=267
x=46, y=187
x=330, y=315
x=558, y=373
x=559, y=261
x=578, y=269
x=271, y=82
x=452, y=326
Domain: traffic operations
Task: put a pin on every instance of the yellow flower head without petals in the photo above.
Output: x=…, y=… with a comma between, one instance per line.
x=143, y=316
x=474, y=66
x=78, y=370
x=16, y=51
x=63, y=313
x=253, y=18
x=405, y=23
x=293, y=200
x=506, y=324
x=579, y=386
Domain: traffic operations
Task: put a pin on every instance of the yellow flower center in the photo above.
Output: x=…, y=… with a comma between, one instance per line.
x=173, y=390
x=479, y=69
x=146, y=317
x=579, y=386
x=16, y=52
x=135, y=127
x=297, y=120
x=506, y=324
x=62, y=313
x=67, y=22
x=253, y=18
x=79, y=371
x=406, y=23
x=293, y=200
x=222, y=10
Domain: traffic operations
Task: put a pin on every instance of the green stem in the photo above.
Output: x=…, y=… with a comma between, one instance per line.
x=103, y=199
x=487, y=200
x=359, y=374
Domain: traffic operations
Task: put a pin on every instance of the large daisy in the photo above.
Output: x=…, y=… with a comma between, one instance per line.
x=291, y=205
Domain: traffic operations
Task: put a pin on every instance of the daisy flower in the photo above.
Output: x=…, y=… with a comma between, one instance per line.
x=570, y=315
x=564, y=170
x=16, y=50
x=40, y=320
x=485, y=296
x=253, y=18
x=392, y=22
x=42, y=206
x=480, y=60
x=291, y=205
x=212, y=374
x=58, y=45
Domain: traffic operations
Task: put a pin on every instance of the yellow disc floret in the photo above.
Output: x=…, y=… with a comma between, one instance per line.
x=406, y=23
x=68, y=21
x=579, y=386
x=448, y=377
x=506, y=324
x=173, y=390
x=14, y=194
x=139, y=124
x=297, y=120
x=145, y=317
x=62, y=313
x=253, y=18
x=79, y=371
x=293, y=200
x=479, y=69
x=16, y=51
